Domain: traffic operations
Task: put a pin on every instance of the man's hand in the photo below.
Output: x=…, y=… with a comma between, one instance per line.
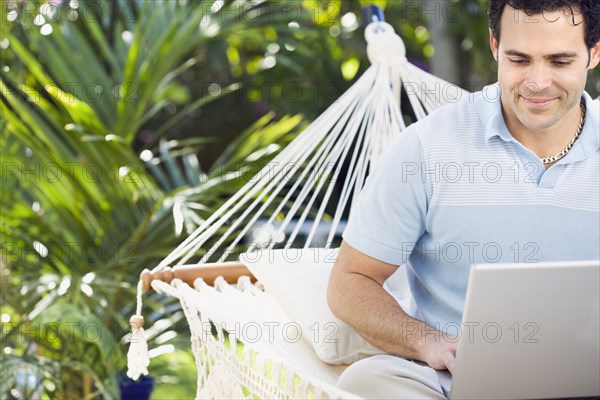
x=440, y=354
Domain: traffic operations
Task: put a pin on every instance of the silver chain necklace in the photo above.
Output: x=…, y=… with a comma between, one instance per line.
x=563, y=152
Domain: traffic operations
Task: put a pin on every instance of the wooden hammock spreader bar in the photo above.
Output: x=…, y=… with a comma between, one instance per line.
x=230, y=271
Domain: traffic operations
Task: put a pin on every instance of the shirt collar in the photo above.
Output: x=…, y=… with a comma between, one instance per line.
x=489, y=109
x=589, y=141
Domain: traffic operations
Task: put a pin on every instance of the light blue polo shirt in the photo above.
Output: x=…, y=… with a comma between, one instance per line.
x=456, y=189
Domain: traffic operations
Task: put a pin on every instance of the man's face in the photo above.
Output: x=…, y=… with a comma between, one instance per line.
x=542, y=67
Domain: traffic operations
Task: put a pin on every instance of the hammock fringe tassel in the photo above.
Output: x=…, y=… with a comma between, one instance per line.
x=137, y=356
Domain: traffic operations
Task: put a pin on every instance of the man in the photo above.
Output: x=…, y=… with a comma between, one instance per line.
x=510, y=174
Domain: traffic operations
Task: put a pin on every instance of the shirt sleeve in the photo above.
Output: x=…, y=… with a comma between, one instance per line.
x=388, y=217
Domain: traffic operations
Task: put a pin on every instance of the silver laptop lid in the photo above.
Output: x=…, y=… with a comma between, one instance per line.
x=530, y=331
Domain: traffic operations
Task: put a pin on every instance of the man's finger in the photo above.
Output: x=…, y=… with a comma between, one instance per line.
x=449, y=361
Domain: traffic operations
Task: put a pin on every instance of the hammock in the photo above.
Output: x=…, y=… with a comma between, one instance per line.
x=300, y=200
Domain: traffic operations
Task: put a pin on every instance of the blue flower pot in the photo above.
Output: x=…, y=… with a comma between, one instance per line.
x=136, y=390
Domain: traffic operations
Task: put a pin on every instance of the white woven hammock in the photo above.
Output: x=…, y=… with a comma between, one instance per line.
x=298, y=200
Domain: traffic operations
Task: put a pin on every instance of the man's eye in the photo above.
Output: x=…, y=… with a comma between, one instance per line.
x=561, y=63
x=518, y=61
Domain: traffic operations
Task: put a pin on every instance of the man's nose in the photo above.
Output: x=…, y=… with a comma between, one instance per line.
x=539, y=78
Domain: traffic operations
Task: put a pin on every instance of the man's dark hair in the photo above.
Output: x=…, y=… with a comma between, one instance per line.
x=590, y=9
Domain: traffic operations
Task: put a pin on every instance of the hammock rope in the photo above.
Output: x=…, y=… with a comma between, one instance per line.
x=291, y=202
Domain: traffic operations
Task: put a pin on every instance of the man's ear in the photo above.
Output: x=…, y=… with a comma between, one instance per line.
x=594, y=56
x=494, y=46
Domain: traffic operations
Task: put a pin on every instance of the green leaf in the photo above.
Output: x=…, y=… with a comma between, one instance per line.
x=65, y=323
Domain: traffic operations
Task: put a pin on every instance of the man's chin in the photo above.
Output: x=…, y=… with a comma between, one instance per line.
x=535, y=119
x=536, y=124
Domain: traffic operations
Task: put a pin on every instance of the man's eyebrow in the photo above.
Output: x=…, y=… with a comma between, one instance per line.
x=516, y=54
x=565, y=54
x=554, y=56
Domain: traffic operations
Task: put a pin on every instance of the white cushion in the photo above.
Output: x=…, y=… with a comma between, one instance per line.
x=297, y=279
x=257, y=319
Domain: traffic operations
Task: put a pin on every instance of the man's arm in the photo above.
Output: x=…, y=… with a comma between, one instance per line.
x=356, y=296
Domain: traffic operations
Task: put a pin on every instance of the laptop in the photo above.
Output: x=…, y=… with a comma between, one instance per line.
x=530, y=331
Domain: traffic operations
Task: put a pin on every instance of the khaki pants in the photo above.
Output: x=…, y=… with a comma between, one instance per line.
x=390, y=377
